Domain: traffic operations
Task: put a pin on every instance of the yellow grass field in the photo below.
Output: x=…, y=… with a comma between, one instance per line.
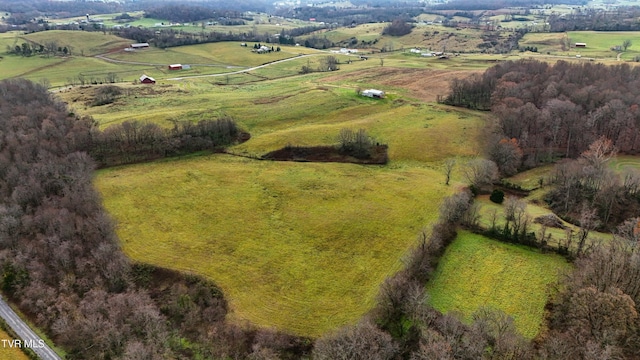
x=476, y=271
x=7, y=353
x=301, y=247
x=80, y=42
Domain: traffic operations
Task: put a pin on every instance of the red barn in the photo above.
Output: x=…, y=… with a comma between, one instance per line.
x=175, y=67
x=144, y=79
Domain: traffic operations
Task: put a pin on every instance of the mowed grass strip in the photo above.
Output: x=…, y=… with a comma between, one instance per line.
x=302, y=247
x=476, y=271
x=625, y=162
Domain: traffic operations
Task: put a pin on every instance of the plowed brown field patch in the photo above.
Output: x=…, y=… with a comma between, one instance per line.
x=423, y=84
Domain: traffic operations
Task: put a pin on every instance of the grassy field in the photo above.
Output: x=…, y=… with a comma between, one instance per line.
x=476, y=271
x=531, y=179
x=80, y=42
x=622, y=162
x=299, y=246
x=7, y=353
x=433, y=37
x=599, y=43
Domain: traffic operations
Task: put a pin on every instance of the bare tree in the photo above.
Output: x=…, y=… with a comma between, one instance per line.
x=363, y=341
x=507, y=155
x=626, y=44
x=449, y=164
x=588, y=221
x=454, y=207
x=330, y=63
x=599, y=152
x=629, y=231
x=603, y=316
x=480, y=172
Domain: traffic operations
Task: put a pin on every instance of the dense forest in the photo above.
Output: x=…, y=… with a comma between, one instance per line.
x=583, y=111
x=61, y=263
x=24, y=11
x=620, y=19
x=351, y=16
x=470, y=5
x=188, y=13
x=170, y=38
x=557, y=109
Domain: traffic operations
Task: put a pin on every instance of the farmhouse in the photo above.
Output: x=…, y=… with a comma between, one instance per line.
x=581, y=45
x=373, y=93
x=175, y=67
x=144, y=79
x=139, y=45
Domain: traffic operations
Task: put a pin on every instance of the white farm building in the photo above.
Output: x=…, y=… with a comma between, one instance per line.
x=373, y=93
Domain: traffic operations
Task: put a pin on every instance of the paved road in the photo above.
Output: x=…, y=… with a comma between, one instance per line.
x=25, y=333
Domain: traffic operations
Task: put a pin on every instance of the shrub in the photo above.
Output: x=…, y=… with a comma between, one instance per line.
x=497, y=196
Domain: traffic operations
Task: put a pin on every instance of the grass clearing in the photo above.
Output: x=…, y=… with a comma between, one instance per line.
x=82, y=43
x=599, y=43
x=476, y=271
x=301, y=247
x=623, y=162
x=532, y=179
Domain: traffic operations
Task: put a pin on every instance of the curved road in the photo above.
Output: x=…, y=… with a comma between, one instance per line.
x=25, y=333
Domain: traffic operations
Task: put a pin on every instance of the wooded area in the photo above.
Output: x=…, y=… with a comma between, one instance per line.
x=61, y=261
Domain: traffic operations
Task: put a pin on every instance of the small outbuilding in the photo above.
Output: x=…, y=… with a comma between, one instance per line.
x=581, y=45
x=144, y=79
x=139, y=45
x=175, y=67
x=373, y=93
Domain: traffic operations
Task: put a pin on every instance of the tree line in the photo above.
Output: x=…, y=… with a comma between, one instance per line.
x=619, y=19
x=134, y=141
x=61, y=262
x=187, y=13
x=170, y=38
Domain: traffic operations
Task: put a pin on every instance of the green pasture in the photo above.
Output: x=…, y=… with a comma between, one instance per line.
x=9, y=39
x=622, y=162
x=301, y=247
x=546, y=42
x=233, y=54
x=81, y=43
x=14, y=65
x=222, y=53
x=302, y=110
x=68, y=71
x=429, y=17
x=479, y=272
x=599, y=43
x=531, y=179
